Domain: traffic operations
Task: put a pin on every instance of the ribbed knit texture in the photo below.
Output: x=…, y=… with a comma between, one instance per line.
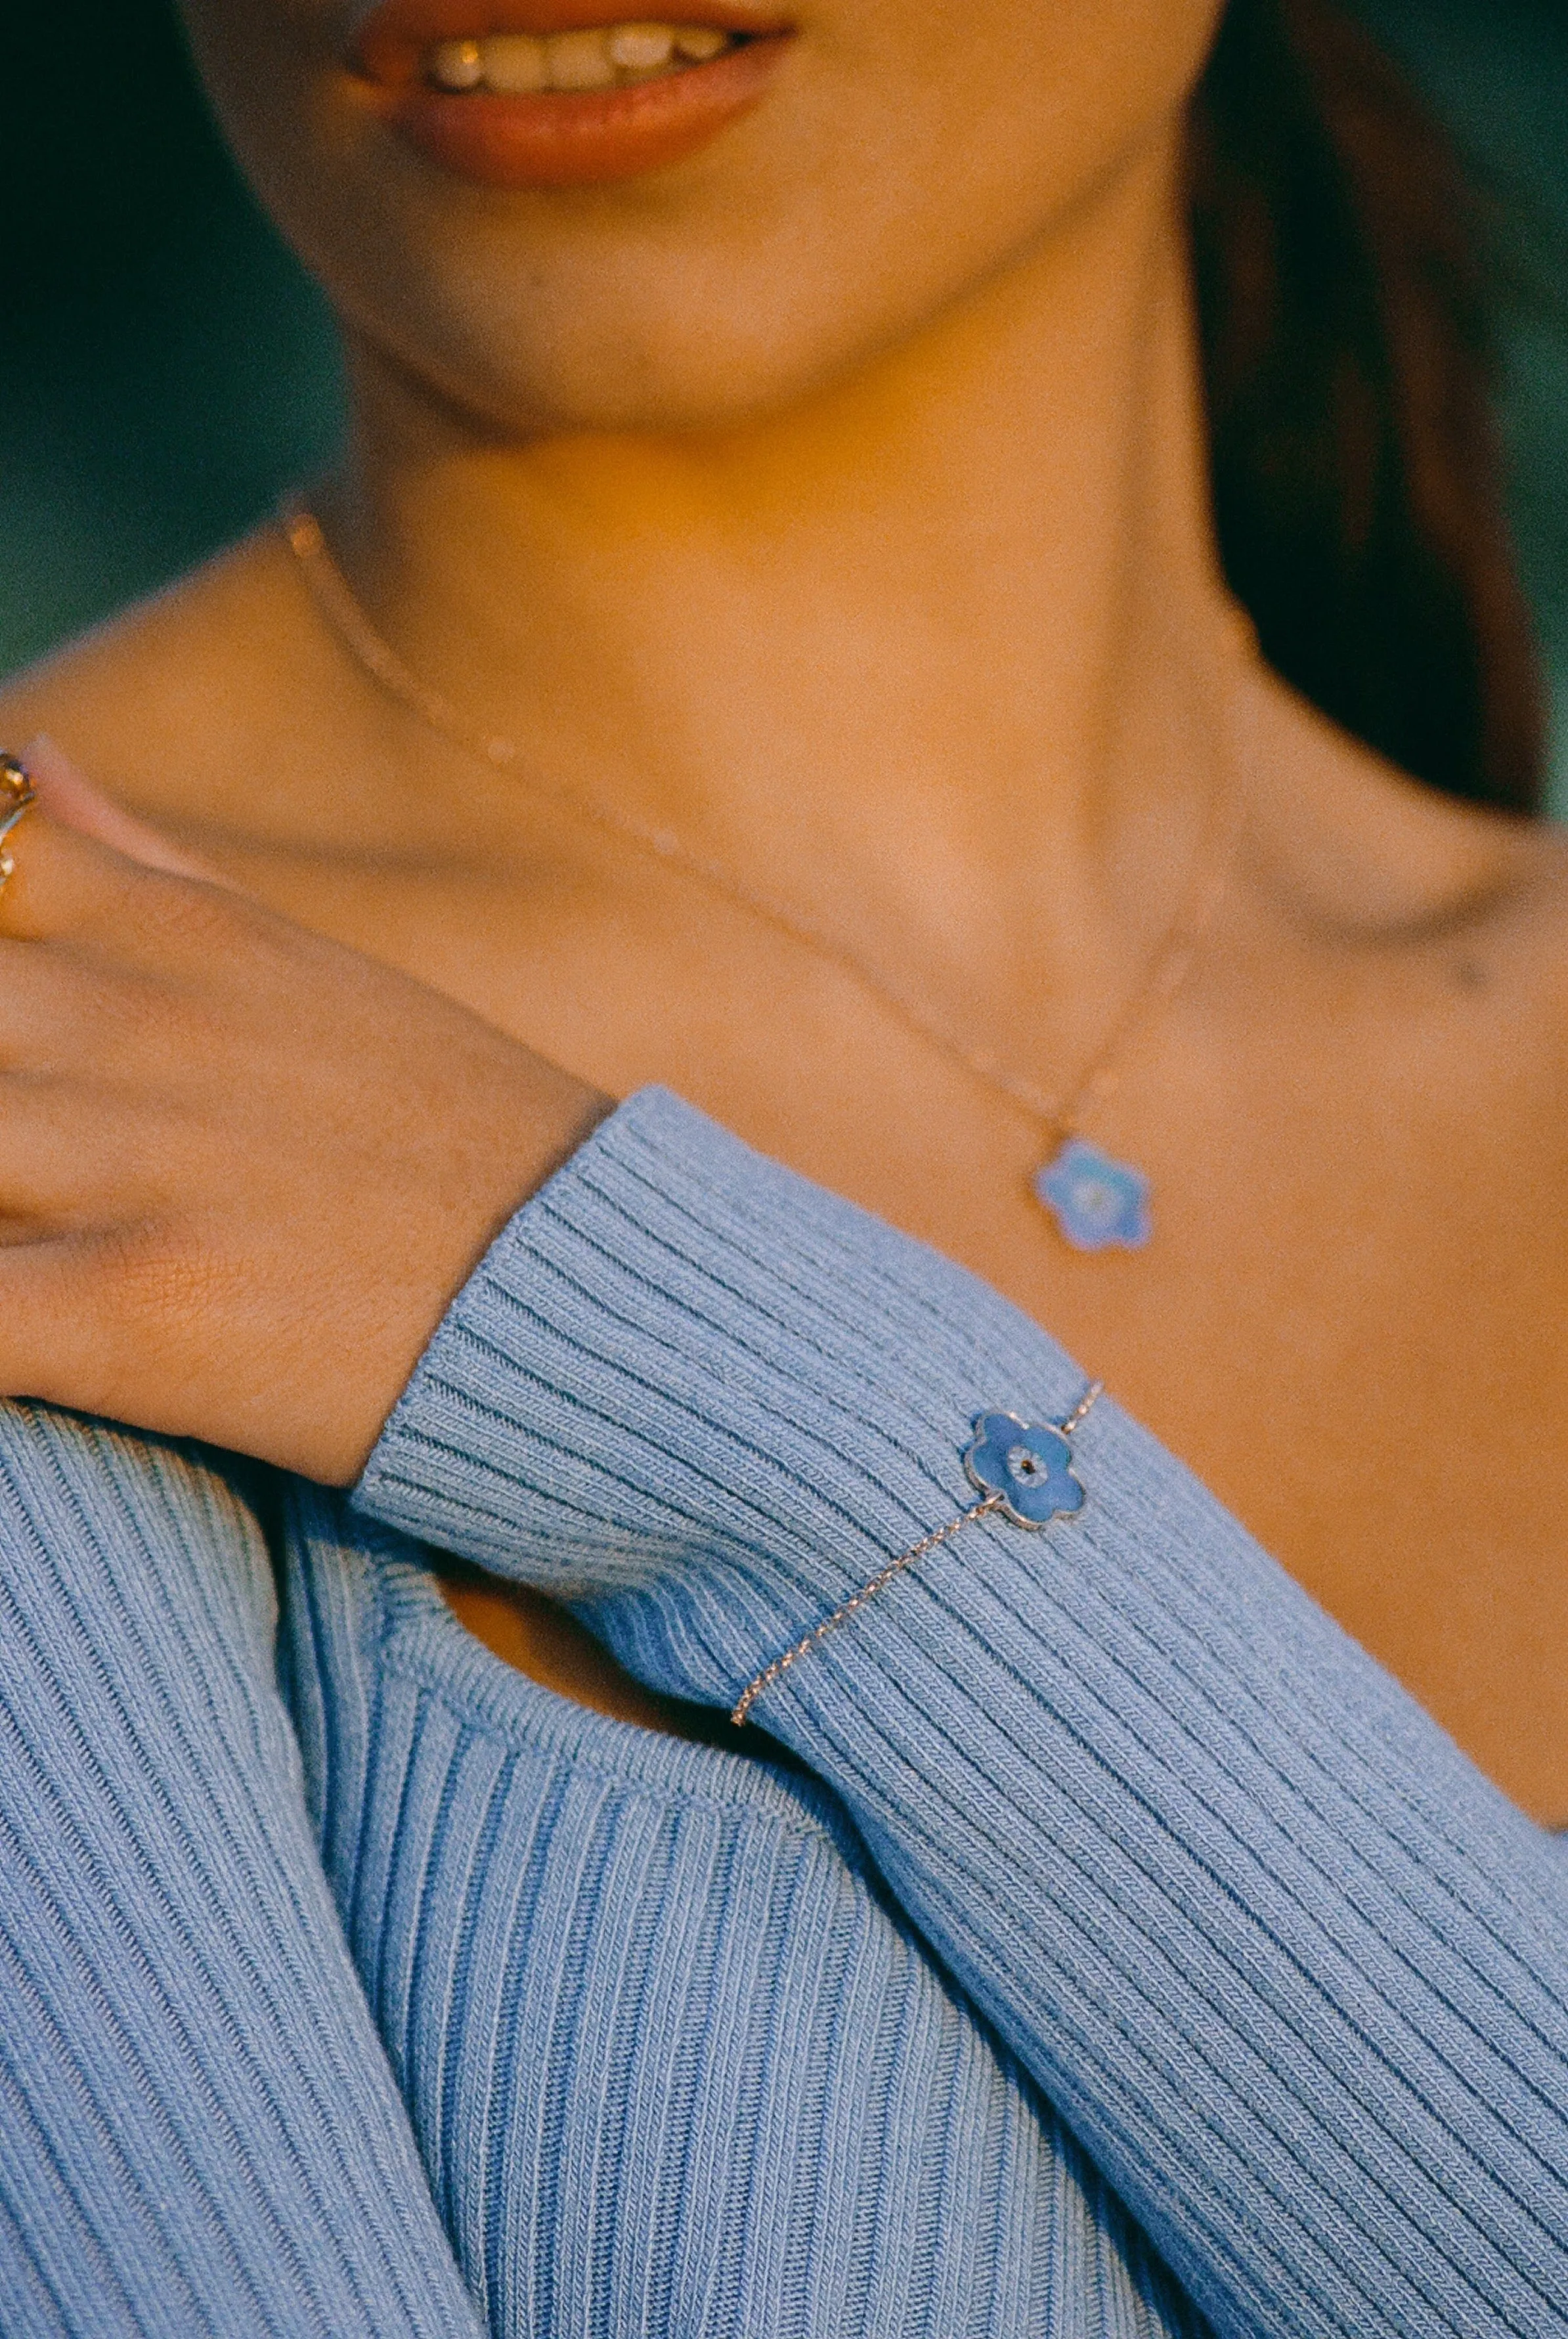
x=452, y=2004
x=1293, y=1970
x=198, y=2131
x=674, y=2065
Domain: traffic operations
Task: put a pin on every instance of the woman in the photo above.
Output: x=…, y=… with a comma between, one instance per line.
x=767, y=637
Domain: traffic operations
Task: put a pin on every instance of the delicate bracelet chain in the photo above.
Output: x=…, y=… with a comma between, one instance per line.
x=993, y=1504
x=770, y=1674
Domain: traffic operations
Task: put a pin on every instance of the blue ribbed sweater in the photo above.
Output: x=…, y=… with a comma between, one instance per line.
x=351, y=1984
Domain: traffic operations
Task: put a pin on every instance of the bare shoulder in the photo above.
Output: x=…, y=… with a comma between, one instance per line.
x=175, y=702
x=1360, y=851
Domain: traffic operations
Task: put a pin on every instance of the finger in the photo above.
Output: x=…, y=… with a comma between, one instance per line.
x=67, y=879
x=69, y=798
x=52, y=1014
x=61, y=879
x=73, y=1155
x=54, y=1338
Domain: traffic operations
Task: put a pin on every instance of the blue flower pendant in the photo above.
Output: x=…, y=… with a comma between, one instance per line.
x=1097, y=1203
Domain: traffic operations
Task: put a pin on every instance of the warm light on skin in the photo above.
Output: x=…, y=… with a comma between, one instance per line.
x=616, y=445
x=836, y=497
x=904, y=152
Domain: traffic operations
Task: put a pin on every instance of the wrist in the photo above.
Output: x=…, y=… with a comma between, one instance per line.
x=534, y=1119
x=704, y=1398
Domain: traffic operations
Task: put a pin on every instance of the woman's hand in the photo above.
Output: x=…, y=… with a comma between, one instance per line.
x=242, y=1169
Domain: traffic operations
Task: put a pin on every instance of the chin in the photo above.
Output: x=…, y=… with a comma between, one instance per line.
x=580, y=364
x=527, y=258
x=688, y=310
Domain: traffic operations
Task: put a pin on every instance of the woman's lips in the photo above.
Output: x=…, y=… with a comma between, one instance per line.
x=554, y=137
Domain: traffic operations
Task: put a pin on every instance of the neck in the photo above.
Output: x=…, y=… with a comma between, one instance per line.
x=954, y=620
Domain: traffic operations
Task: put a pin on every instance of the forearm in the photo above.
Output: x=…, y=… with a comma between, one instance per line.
x=1294, y=1971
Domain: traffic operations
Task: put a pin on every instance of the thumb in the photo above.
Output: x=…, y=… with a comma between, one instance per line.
x=70, y=798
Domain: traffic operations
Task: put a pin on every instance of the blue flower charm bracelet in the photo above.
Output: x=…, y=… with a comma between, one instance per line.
x=1021, y=1471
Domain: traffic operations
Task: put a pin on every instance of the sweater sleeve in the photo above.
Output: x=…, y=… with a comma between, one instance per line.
x=1295, y=1971
x=198, y=2128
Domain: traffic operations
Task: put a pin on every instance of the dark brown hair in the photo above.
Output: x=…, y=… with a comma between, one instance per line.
x=1347, y=363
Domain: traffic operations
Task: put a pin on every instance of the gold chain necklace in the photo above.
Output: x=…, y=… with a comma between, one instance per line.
x=1097, y=1201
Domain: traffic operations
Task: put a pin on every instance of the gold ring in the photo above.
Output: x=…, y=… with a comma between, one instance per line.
x=18, y=793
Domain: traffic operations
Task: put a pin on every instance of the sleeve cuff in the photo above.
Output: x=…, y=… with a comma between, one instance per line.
x=1290, y=1967
x=679, y=1354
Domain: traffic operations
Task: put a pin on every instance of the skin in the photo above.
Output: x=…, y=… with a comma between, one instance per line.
x=836, y=500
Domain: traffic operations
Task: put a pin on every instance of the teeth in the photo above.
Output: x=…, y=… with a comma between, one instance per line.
x=642, y=48
x=457, y=65
x=516, y=64
x=581, y=61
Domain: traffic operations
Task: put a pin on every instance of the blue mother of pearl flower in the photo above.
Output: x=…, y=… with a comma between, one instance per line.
x=1027, y=1463
x=1096, y=1201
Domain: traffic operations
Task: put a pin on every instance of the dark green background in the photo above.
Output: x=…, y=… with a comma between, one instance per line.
x=166, y=368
